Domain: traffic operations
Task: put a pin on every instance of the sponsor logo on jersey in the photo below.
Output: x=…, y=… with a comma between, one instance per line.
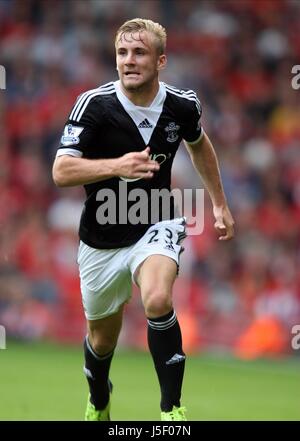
x=159, y=157
x=171, y=130
x=71, y=135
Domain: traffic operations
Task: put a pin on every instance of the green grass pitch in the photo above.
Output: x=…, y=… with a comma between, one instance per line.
x=46, y=382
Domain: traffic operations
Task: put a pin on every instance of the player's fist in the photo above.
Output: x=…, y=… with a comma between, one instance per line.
x=224, y=223
x=137, y=165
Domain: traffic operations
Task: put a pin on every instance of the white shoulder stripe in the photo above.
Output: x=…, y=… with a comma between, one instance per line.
x=79, y=100
x=189, y=91
x=190, y=98
x=111, y=83
x=184, y=93
x=85, y=95
x=87, y=100
x=82, y=100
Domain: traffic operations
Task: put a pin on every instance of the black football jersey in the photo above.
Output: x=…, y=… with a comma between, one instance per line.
x=105, y=124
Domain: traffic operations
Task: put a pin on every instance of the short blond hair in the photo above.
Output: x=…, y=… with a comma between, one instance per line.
x=140, y=25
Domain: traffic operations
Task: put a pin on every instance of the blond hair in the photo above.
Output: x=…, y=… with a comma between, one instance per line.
x=140, y=25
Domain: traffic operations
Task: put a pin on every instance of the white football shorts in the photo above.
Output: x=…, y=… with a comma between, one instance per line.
x=106, y=275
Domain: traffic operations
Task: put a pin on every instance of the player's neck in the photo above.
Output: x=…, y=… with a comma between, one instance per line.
x=142, y=97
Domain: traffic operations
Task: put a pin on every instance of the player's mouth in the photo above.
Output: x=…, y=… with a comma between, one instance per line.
x=132, y=74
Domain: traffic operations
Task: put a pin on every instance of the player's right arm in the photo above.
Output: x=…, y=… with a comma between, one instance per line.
x=82, y=133
x=70, y=170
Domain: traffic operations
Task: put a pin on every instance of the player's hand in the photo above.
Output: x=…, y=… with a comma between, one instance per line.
x=137, y=165
x=224, y=224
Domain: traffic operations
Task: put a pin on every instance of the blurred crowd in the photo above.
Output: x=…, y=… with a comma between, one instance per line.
x=242, y=296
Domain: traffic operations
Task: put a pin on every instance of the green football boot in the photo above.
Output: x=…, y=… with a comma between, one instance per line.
x=92, y=414
x=176, y=414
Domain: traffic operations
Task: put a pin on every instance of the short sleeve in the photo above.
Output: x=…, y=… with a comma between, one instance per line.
x=193, y=130
x=81, y=131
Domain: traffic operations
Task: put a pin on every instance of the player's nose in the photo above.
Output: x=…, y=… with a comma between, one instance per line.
x=130, y=59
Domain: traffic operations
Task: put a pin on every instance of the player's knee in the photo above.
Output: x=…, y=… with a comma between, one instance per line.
x=157, y=303
x=101, y=344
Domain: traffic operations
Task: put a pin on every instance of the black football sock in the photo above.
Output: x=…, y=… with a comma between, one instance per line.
x=165, y=344
x=96, y=370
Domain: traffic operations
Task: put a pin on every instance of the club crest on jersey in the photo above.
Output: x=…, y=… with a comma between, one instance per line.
x=71, y=135
x=172, y=129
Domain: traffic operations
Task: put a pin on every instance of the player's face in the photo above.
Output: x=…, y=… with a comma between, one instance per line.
x=138, y=61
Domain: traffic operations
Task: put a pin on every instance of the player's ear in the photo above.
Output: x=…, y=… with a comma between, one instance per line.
x=161, y=62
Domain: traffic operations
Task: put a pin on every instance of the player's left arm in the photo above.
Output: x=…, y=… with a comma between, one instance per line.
x=205, y=161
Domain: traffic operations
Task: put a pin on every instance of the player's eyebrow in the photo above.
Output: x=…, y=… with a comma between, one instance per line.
x=136, y=48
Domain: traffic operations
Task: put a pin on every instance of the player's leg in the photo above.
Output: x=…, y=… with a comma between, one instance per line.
x=99, y=346
x=105, y=287
x=155, y=277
